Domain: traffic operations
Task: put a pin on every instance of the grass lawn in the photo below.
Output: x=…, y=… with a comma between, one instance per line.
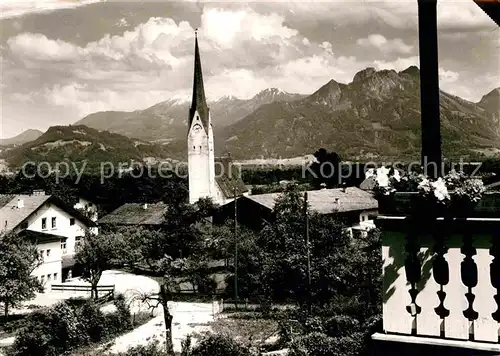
x=248, y=328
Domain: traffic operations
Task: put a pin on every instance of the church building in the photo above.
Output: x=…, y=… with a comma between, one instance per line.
x=209, y=177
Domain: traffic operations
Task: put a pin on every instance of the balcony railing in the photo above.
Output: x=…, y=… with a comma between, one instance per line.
x=442, y=275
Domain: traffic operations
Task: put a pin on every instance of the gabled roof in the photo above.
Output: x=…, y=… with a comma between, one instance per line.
x=136, y=214
x=39, y=237
x=228, y=177
x=324, y=201
x=11, y=216
x=199, y=102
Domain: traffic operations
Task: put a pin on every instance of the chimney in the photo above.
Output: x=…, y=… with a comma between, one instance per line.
x=20, y=203
x=145, y=206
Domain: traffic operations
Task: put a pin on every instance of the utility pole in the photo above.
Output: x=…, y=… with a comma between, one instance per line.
x=306, y=216
x=235, y=246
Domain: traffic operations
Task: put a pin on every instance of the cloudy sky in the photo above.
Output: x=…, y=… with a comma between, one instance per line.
x=61, y=60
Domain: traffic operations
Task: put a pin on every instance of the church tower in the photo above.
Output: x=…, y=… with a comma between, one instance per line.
x=200, y=139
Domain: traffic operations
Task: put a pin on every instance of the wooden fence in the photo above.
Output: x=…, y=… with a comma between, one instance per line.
x=105, y=292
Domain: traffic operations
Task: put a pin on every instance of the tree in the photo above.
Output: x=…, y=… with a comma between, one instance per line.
x=283, y=256
x=18, y=259
x=96, y=254
x=177, y=252
x=327, y=168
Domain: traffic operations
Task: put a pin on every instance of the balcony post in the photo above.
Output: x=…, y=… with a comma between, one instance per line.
x=429, y=87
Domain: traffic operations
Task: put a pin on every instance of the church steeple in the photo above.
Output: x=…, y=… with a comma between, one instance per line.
x=199, y=102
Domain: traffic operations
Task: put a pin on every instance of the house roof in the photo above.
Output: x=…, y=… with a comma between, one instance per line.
x=39, y=237
x=228, y=177
x=136, y=214
x=11, y=216
x=324, y=201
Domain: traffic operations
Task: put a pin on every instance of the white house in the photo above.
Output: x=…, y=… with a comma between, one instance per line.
x=56, y=226
x=87, y=207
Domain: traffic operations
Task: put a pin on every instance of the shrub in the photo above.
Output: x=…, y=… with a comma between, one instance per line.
x=50, y=333
x=186, y=346
x=123, y=312
x=219, y=345
x=67, y=331
x=93, y=320
x=318, y=344
x=33, y=339
x=341, y=325
x=152, y=349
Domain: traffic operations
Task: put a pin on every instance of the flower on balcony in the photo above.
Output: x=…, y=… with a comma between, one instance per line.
x=440, y=190
x=455, y=190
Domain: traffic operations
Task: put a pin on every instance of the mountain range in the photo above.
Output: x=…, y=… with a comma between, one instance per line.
x=376, y=116
x=167, y=121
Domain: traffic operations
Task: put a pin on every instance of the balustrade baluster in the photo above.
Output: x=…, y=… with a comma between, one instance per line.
x=495, y=273
x=441, y=272
x=413, y=273
x=468, y=272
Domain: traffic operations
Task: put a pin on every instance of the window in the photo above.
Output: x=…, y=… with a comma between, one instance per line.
x=72, y=221
x=48, y=277
x=44, y=223
x=24, y=225
x=41, y=252
x=53, y=223
x=48, y=252
x=63, y=246
x=78, y=241
x=42, y=279
x=55, y=276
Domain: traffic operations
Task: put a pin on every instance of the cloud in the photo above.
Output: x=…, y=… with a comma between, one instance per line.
x=18, y=8
x=379, y=42
x=243, y=51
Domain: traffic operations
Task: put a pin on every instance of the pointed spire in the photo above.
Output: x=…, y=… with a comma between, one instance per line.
x=199, y=102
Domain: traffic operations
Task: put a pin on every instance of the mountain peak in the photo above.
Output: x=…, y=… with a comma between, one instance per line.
x=328, y=94
x=226, y=98
x=23, y=137
x=363, y=74
x=411, y=70
x=491, y=101
x=270, y=92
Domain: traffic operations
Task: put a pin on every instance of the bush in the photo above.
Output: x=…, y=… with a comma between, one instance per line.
x=67, y=331
x=152, y=349
x=33, y=339
x=318, y=344
x=93, y=320
x=123, y=311
x=50, y=333
x=67, y=326
x=219, y=345
x=341, y=325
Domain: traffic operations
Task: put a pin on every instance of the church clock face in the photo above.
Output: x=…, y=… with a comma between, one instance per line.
x=197, y=128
